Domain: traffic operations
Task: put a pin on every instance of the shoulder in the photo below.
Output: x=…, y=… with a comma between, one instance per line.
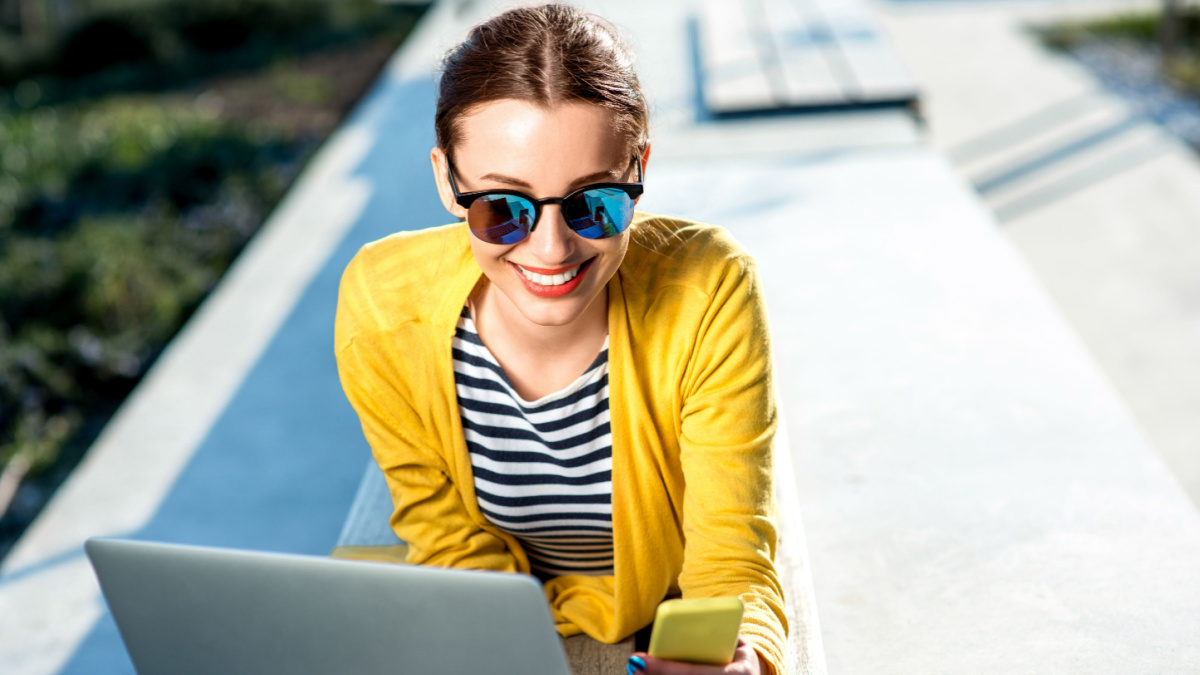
x=666, y=251
x=388, y=282
x=406, y=258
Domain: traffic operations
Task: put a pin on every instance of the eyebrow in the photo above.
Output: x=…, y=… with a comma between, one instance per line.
x=612, y=175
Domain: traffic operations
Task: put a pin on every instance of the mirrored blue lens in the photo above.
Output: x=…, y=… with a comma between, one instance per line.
x=599, y=212
x=501, y=219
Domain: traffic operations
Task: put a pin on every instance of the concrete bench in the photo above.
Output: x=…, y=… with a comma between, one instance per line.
x=770, y=55
x=367, y=535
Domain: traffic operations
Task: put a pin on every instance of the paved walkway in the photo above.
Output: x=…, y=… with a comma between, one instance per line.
x=976, y=497
x=1100, y=201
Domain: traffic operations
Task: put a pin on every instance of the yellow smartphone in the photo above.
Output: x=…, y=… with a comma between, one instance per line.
x=700, y=630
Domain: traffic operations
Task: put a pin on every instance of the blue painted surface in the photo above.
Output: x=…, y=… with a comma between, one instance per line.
x=279, y=468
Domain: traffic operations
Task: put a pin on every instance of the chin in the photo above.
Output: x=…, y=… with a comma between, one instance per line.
x=552, y=314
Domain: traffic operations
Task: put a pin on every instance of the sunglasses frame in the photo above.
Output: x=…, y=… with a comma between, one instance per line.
x=465, y=199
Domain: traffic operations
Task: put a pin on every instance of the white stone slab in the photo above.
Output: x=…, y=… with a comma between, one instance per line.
x=1114, y=235
x=976, y=498
x=878, y=73
x=732, y=66
x=803, y=56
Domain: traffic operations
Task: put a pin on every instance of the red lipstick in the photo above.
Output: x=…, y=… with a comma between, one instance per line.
x=552, y=291
x=549, y=272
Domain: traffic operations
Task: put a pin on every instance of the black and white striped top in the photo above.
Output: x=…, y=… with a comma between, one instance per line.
x=543, y=469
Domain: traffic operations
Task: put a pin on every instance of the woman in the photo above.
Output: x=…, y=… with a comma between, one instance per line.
x=560, y=386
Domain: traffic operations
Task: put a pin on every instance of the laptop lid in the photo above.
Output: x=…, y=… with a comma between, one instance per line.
x=185, y=610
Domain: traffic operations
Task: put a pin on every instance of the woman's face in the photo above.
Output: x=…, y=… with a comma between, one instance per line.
x=543, y=152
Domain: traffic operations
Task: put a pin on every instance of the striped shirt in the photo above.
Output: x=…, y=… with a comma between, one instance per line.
x=543, y=469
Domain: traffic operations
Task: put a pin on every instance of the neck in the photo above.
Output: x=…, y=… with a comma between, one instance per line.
x=504, y=322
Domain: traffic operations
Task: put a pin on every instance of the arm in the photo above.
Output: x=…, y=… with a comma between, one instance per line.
x=429, y=515
x=384, y=372
x=726, y=443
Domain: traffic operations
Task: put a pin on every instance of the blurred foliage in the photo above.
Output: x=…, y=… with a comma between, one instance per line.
x=1185, y=70
x=138, y=155
x=1139, y=26
x=1140, y=29
x=297, y=87
x=156, y=45
x=117, y=217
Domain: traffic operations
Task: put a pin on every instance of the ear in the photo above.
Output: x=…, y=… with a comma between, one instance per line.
x=440, y=164
x=645, y=158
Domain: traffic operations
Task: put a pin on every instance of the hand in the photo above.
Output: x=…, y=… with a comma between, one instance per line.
x=745, y=661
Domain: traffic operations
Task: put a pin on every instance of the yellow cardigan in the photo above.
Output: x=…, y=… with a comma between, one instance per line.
x=692, y=413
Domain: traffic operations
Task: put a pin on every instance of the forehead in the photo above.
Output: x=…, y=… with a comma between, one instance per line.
x=519, y=138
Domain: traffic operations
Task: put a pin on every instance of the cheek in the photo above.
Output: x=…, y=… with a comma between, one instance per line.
x=614, y=249
x=613, y=256
x=487, y=256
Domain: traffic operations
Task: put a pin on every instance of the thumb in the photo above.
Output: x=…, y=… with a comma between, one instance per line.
x=655, y=666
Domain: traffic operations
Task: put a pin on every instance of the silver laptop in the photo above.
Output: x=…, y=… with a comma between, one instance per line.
x=185, y=610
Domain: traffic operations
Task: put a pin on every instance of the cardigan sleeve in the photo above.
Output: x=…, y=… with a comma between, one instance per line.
x=727, y=435
x=380, y=378
x=430, y=516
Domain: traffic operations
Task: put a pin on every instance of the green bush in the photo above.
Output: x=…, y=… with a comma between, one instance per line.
x=119, y=217
x=124, y=196
x=1141, y=26
x=156, y=46
x=1141, y=30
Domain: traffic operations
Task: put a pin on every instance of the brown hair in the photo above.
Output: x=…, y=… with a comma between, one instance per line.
x=545, y=55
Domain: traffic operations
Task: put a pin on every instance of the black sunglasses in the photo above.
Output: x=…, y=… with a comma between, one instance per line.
x=594, y=211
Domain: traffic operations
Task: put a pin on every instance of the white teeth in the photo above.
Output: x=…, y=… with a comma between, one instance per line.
x=553, y=280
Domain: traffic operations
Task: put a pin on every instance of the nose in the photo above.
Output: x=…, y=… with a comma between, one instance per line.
x=552, y=242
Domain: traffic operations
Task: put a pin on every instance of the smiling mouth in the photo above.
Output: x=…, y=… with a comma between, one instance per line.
x=552, y=280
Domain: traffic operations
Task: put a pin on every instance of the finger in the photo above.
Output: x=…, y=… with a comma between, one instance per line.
x=745, y=659
x=655, y=666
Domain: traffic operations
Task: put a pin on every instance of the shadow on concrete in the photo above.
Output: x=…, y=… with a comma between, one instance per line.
x=1051, y=154
x=1042, y=121
x=1045, y=159
x=1086, y=177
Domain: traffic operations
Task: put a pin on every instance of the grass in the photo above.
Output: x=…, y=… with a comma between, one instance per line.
x=127, y=191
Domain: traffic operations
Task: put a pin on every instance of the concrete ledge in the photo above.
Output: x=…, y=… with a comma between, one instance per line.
x=586, y=656
x=976, y=498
